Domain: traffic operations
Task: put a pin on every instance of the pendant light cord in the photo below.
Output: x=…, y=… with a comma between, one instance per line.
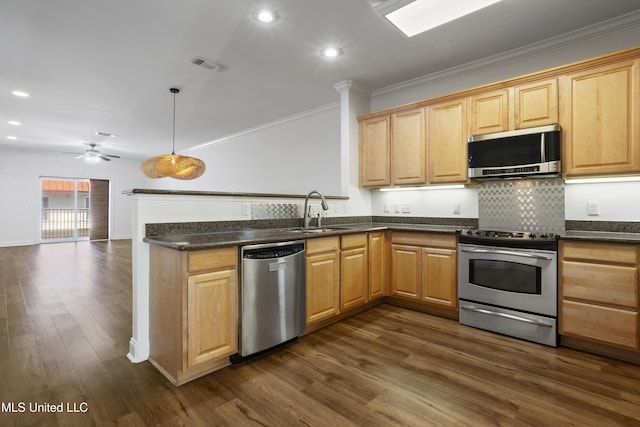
x=173, y=143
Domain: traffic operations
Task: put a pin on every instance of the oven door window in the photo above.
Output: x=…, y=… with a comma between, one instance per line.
x=506, y=276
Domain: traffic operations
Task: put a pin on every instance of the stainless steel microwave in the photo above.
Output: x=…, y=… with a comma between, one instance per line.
x=518, y=153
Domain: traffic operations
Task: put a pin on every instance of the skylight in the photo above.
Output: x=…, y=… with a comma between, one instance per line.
x=415, y=17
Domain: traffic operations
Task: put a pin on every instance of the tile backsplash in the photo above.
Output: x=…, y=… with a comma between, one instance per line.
x=522, y=205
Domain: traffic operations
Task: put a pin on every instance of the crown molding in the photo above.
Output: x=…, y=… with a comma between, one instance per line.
x=258, y=128
x=572, y=38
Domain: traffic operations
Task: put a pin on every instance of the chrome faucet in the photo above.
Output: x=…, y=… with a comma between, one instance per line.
x=307, y=213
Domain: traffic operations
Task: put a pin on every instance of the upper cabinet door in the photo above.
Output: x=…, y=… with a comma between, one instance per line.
x=536, y=104
x=599, y=115
x=375, y=152
x=490, y=112
x=408, y=142
x=448, y=141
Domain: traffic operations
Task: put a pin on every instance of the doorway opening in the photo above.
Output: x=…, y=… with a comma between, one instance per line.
x=73, y=209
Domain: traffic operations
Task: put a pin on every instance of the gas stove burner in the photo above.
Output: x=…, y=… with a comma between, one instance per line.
x=513, y=239
x=509, y=234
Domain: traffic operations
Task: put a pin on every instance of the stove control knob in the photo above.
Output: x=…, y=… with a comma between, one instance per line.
x=544, y=235
x=469, y=231
x=532, y=236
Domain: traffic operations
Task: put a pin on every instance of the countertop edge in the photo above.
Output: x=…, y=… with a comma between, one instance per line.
x=601, y=236
x=233, y=238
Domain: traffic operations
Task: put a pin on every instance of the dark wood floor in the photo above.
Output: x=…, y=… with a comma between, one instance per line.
x=65, y=323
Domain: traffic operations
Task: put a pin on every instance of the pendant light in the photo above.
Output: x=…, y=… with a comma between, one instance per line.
x=173, y=165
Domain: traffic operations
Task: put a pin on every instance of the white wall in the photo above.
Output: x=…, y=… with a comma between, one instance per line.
x=290, y=156
x=435, y=203
x=619, y=201
x=20, y=190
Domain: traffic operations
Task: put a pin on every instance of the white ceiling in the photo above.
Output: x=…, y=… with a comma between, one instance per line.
x=107, y=66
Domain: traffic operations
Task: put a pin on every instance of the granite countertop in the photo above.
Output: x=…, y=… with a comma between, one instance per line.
x=199, y=241
x=603, y=236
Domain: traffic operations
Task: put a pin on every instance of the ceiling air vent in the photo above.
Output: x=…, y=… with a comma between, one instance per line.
x=202, y=62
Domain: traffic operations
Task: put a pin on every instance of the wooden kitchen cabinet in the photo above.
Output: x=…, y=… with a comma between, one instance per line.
x=424, y=268
x=536, y=104
x=375, y=151
x=448, y=141
x=599, y=292
x=405, y=270
x=323, y=278
x=440, y=277
x=378, y=265
x=409, y=147
x=211, y=325
x=521, y=106
x=599, y=116
x=193, y=311
x=490, y=112
x=354, y=271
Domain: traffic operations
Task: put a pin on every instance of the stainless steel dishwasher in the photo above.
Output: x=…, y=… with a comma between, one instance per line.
x=273, y=302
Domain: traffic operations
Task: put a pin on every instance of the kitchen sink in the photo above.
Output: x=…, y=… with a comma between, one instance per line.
x=316, y=229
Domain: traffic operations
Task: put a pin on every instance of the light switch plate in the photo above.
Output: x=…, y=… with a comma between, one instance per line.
x=593, y=208
x=246, y=209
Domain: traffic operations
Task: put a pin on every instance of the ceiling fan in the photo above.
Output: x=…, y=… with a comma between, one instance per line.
x=91, y=155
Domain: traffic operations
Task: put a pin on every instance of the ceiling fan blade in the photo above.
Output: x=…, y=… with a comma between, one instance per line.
x=82, y=156
x=69, y=152
x=104, y=158
x=112, y=155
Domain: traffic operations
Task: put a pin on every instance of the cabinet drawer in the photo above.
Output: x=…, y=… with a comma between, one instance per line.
x=609, y=325
x=600, y=252
x=353, y=240
x=424, y=239
x=323, y=244
x=600, y=283
x=212, y=259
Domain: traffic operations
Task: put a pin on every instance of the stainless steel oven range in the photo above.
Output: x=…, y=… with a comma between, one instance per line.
x=508, y=283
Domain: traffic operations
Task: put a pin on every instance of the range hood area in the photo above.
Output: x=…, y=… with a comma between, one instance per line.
x=519, y=153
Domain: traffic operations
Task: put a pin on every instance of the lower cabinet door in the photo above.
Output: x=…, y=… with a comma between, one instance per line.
x=212, y=328
x=405, y=271
x=353, y=278
x=605, y=324
x=323, y=286
x=439, y=277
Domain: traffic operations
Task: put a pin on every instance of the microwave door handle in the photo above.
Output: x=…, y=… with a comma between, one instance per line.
x=543, y=154
x=500, y=252
x=506, y=315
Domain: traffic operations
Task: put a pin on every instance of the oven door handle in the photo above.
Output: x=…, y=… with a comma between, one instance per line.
x=499, y=252
x=505, y=315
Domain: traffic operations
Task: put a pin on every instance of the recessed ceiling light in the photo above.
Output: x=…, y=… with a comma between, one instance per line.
x=415, y=17
x=331, y=52
x=12, y=137
x=13, y=123
x=265, y=16
x=20, y=93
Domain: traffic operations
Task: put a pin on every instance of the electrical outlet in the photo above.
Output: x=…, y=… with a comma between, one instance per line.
x=456, y=208
x=336, y=208
x=396, y=208
x=246, y=209
x=593, y=208
x=387, y=207
x=406, y=208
